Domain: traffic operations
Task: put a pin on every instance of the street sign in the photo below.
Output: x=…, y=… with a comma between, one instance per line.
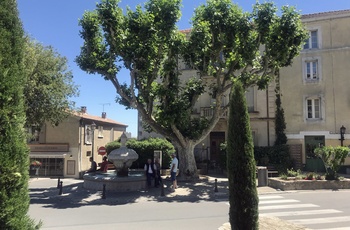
x=102, y=150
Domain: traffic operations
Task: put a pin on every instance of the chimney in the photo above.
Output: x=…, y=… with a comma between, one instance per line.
x=104, y=115
x=83, y=109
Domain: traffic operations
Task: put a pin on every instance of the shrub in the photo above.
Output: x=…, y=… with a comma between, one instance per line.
x=333, y=158
x=293, y=173
x=145, y=149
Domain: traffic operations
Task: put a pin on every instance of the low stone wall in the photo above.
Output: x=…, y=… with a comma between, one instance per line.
x=133, y=182
x=284, y=185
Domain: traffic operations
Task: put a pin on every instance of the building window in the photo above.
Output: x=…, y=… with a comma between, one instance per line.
x=249, y=94
x=312, y=69
x=88, y=134
x=312, y=41
x=33, y=134
x=88, y=153
x=100, y=131
x=313, y=108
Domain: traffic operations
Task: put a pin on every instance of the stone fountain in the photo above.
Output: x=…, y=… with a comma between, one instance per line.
x=123, y=157
x=122, y=179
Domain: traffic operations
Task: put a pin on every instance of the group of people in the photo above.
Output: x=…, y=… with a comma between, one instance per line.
x=93, y=166
x=152, y=170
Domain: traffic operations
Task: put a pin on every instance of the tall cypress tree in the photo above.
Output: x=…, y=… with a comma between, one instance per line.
x=280, y=123
x=241, y=164
x=14, y=165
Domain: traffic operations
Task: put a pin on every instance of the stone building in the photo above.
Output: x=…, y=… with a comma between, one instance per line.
x=315, y=95
x=64, y=150
x=315, y=89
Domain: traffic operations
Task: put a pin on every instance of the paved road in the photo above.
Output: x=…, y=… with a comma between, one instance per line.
x=78, y=208
x=192, y=206
x=314, y=209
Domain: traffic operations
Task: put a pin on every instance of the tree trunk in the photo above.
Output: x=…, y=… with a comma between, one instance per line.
x=187, y=163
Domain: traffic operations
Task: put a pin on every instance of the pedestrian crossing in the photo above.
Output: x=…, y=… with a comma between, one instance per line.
x=309, y=215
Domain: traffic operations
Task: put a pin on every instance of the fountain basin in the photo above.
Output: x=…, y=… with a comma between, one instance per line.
x=135, y=181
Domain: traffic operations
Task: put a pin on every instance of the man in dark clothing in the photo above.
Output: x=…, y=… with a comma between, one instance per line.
x=158, y=178
x=93, y=166
x=150, y=172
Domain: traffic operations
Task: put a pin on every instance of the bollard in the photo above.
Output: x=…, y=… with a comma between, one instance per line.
x=162, y=189
x=61, y=186
x=216, y=185
x=104, y=191
x=58, y=182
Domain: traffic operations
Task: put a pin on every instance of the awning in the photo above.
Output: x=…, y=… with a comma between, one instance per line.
x=48, y=154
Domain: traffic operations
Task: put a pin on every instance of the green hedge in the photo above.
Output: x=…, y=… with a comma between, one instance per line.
x=145, y=149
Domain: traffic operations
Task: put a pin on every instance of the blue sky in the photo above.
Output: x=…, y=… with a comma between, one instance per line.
x=55, y=23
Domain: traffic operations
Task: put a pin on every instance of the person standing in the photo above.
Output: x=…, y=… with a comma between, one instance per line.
x=93, y=166
x=173, y=170
x=150, y=171
x=158, y=178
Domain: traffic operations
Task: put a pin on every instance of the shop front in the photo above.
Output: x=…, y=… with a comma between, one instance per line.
x=51, y=158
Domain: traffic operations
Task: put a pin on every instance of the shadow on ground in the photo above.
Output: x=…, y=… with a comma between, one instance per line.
x=74, y=195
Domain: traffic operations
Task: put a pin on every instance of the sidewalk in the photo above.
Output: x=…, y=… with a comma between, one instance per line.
x=205, y=189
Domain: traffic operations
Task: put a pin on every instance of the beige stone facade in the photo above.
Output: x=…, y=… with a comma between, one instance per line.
x=315, y=89
x=64, y=150
x=315, y=93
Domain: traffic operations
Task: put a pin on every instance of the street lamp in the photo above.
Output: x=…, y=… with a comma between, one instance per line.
x=342, y=132
x=93, y=127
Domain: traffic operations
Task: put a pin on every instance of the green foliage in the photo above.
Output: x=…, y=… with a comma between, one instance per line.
x=333, y=158
x=223, y=45
x=261, y=155
x=49, y=87
x=293, y=173
x=241, y=164
x=14, y=197
x=279, y=157
x=112, y=145
x=145, y=149
x=280, y=123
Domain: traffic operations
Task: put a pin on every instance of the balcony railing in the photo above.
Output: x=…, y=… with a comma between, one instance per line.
x=208, y=112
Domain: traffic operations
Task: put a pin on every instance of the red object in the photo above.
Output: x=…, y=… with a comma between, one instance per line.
x=102, y=150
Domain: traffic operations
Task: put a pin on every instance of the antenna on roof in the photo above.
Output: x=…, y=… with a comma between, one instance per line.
x=103, y=106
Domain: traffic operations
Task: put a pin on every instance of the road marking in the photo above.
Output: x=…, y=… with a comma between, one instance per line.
x=301, y=213
x=278, y=201
x=271, y=207
x=322, y=220
x=270, y=197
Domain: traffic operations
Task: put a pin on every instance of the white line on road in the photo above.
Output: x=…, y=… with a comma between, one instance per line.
x=301, y=213
x=271, y=207
x=270, y=197
x=322, y=220
x=278, y=201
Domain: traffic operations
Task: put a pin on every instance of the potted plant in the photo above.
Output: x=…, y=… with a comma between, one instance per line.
x=35, y=164
x=34, y=167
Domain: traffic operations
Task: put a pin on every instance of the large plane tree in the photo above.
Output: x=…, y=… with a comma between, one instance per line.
x=224, y=44
x=50, y=87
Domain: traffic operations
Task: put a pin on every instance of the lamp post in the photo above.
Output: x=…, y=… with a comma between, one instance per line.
x=342, y=132
x=93, y=127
